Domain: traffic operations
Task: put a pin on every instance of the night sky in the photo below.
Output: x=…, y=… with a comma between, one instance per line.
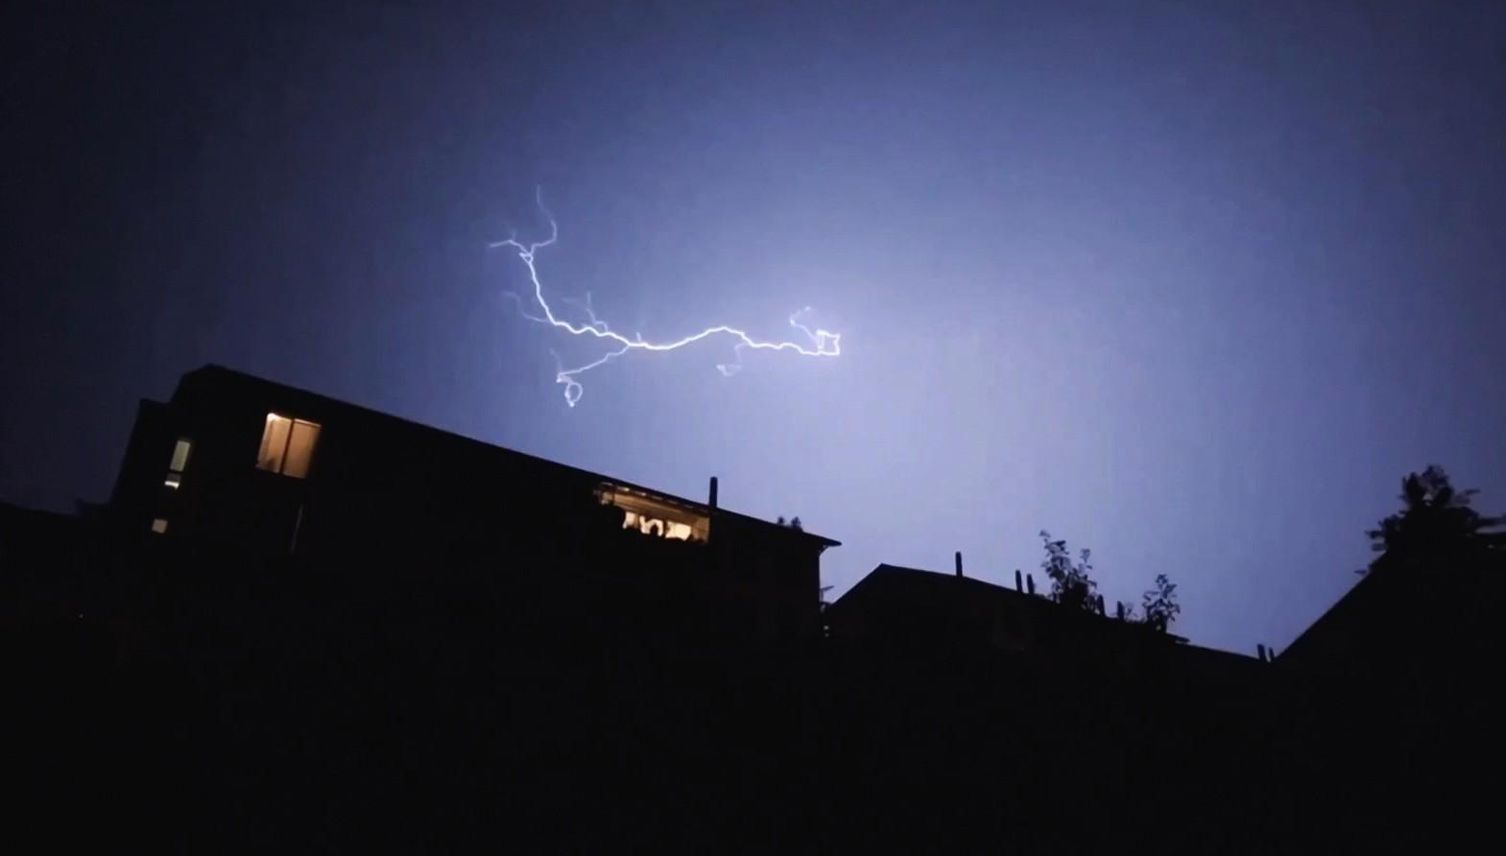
x=1192, y=286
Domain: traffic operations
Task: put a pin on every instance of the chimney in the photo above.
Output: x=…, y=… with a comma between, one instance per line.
x=1019, y=585
x=1119, y=609
x=1030, y=583
x=712, y=500
x=1260, y=652
x=957, y=556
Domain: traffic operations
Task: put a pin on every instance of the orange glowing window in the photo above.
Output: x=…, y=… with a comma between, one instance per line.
x=655, y=515
x=287, y=445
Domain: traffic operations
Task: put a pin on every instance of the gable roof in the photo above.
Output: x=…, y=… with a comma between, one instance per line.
x=936, y=589
x=933, y=583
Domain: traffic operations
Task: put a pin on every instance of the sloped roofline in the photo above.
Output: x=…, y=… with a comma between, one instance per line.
x=982, y=586
x=213, y=369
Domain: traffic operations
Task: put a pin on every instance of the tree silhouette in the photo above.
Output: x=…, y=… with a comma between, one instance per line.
x=1436, y=520
x=1160, y=604
x=1072, y=584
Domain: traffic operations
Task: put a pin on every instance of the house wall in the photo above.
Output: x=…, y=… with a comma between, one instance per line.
x=397, y=507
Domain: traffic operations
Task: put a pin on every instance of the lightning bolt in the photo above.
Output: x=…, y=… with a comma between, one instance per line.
x=822, y=343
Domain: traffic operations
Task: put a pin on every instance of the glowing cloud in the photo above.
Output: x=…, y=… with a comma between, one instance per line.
x=822, y=343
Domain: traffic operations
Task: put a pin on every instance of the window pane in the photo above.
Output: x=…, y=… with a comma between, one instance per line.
x=300, y=449
x=180, y=457
x=274, y=440
x=159, y=526
x=653, y=515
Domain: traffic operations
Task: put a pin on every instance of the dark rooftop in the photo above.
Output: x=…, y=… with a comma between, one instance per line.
x=215, y=376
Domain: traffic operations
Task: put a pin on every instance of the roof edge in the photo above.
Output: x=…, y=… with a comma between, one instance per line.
x=216, y=368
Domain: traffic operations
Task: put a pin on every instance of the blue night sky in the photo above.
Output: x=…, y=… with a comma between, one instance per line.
x=1191, y=284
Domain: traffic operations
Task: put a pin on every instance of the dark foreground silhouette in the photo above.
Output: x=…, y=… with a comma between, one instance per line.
x=271, y=706
x=322, y=647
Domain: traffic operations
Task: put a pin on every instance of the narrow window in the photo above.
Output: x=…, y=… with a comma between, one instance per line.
x=274, y=442
x=287, y=446
x=300, y=448
x=178, y=464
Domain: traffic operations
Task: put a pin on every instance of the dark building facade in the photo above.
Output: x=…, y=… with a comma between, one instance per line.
x=1411, y=617
x=907, y=609
x=238, y=463
x=314, y=621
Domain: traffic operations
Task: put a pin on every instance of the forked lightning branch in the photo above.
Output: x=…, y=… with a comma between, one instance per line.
x=819, y=343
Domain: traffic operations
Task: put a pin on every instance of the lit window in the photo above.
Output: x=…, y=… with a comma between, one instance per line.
x=287, y=446
x=178, y=464
x=655, y=515
x=180, y=456
x=159, y=525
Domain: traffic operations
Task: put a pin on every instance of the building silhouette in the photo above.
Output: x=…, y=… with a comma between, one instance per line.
x=243, y=464
x=317, y=625
x=1413, y=618
x=897, y=609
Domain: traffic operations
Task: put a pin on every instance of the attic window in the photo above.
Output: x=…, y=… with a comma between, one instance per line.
x=287, y=445
x=655, y=515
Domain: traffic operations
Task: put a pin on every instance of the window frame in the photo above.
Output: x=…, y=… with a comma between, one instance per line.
x=279, y=459
x=176, y=469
